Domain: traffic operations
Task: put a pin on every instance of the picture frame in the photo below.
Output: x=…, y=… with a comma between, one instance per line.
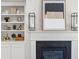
x=50, y=11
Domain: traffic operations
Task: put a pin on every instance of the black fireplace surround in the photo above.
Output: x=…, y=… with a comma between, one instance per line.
x=53, y=49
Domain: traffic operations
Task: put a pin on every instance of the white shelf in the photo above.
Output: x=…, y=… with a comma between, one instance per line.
x=12, y=3
x=13, y=30
x=12, y=14
x=11, y=22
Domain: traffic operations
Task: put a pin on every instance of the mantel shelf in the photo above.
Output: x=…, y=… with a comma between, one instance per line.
x=66, y=31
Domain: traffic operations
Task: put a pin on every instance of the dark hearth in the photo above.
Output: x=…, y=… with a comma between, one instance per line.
x=53, y=50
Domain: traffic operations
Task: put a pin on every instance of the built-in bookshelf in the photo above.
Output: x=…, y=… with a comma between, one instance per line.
x=12, y=21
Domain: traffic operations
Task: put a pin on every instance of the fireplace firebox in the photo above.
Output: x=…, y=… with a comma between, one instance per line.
x=53, y=50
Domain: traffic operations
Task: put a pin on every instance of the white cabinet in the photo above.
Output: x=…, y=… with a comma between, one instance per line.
x=13, y=51
x=18, y=51
x=5, y=51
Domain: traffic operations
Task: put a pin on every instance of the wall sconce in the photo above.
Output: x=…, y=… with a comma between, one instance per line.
x=74, y=21
x=32, y=21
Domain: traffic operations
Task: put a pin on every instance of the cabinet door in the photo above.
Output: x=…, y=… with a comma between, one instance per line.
x=18, y=51
x=5, y=51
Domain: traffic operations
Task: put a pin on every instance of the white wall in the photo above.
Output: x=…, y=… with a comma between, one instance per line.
x=74, y=50
x=71, y=6
x=36, y=6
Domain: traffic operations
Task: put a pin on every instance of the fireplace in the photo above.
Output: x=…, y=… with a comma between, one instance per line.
x=53, y=50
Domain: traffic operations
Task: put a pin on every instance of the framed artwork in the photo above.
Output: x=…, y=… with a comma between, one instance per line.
x=53, y=15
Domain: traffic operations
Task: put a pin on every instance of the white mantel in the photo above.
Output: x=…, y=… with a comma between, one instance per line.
x=54, y=35
x=74, y=49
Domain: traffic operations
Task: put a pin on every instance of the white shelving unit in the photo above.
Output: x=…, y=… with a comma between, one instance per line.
x=6, y=6
x=12, y=47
